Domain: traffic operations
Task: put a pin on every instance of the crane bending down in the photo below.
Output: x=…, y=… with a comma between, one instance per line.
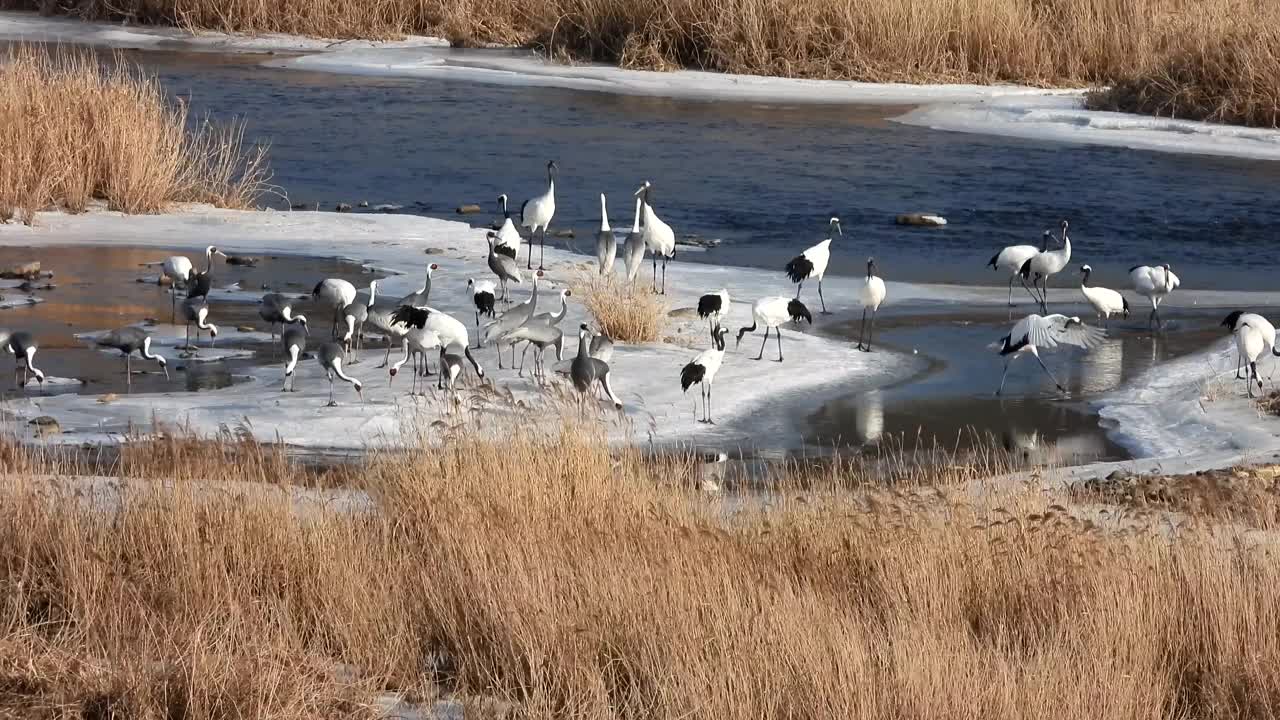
x=23, y=345
x=812, y=263
x=1155, y=284
x=586, y=371
x=702, y=370
x=330, y=358
x=337, y=294
x=294, y=340
x=1034, y=333
x=1258, y=323
x=1250, y=344
x=772, y=312
x=196, y=310
x=129, y=340
x=449, y=328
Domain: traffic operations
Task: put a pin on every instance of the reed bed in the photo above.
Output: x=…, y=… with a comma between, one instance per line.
x=553, y=577
x=625, y=311
x=1213, y=59
x=74, y=130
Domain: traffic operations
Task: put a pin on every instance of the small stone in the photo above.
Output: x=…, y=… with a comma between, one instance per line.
x=684, y=312
x=434, y=251
x=364, y=203
x=563, y=233
x=21, y=271
x=299, y=206
x=243, y=260
x=468, y=209
x=343, y=207
x=244, y=328
x=46, y=425
x=108, y=398
x=387, y=208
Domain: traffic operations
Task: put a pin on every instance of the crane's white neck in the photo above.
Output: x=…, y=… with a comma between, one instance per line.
x=584, y=344
x=201, y=320
x=564, y=307
x=395, y=366
x=604, y=215
x=351, y=328
x=337, y=370
x=146, y=349
x=31, y=354
x=373, y=292
x=293, y=360
x=635, y=224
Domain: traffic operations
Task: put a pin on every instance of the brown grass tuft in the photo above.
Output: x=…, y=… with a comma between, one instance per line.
x=72, y=130
x=1214, y=59
x=566, y=579
x=626, y=312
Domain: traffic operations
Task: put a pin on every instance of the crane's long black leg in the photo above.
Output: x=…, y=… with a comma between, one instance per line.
x=528, y=265
x=778, y=334
x=1011, y=290
x=822, y=299
x=655, y=273
x=542, y=248
x=862, y=330
x=872, y=332
x=128, y=370
x=766, y=340
x=799, y=287
x=664, y=276
x=1003, y=376
x=709, y=420
x=1046, y=370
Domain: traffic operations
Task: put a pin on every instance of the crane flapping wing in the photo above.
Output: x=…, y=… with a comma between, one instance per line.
x=1052, y=330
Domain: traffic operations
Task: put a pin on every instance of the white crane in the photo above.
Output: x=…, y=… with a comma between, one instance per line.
x=1250, y=343
x=633, y=246
x=196, y=310
x=508, y=237
x=870, y=295
x=1105, y=301
x=1153, y=283
x=772, y=312
x=334, y=293
x=659, y=238
x=330, y=358
x=1034, y=333
x=421, y=296
x=586, y=371
x=606, y=243
x=812, y=263
x=1012, y=258
x=714, y=306
x=505, y=267
x=702, y=370
x=130, y=340
x=483, y=295
x=1046, y=264
x=294, y=340
x=449, y=328
x=378, y=317
x=1259, y=324
x=536, y=214
x=23, y=345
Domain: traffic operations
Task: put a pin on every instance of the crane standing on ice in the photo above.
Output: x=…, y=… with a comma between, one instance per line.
x=812, y=263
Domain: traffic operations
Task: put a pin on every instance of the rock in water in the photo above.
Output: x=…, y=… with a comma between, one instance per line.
x=46, y=425
x=22, y=271
x=468, y=209
x=343, y=207
x=922, y=219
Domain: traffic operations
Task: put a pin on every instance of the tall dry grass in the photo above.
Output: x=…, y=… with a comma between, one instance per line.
x=625, y=311
x=73, y=129
x=1196, y=58
x=569, y=580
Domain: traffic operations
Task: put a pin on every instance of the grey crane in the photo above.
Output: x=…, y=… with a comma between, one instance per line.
x=354, y=316
x=504, y=267
x=196, y=310
x=330, y=358
x=497, y=330
x=606, y=243
x=130, y=340
x=416, y=343
x=540, y=336
x=586, y=371
x=422, y=297
x=633, y=247
x=278, y=309
x=294, y=340
x=450, y=369
x=23, y=345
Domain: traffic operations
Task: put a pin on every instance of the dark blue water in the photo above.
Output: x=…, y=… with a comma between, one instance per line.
x=763, y=178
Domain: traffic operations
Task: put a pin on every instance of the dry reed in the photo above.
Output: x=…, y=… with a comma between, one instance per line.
x=1193, y=58
x=568, y=580
x=625, y=311
x=73, y=130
